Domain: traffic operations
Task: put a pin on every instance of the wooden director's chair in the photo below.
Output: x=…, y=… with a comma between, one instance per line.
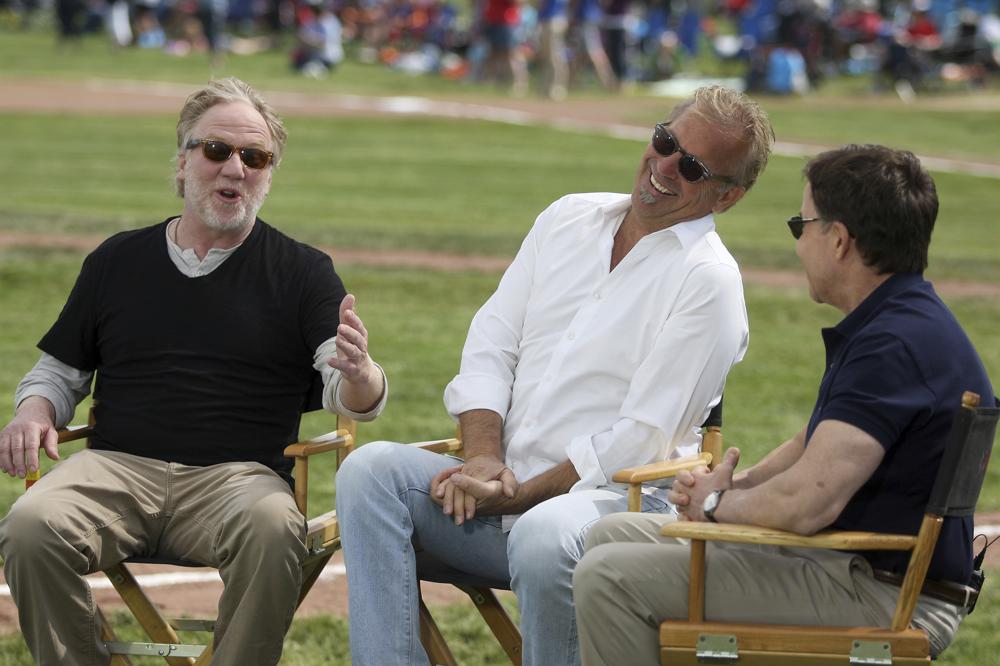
x=322, y=540
x=481, y=590
x=956, y=490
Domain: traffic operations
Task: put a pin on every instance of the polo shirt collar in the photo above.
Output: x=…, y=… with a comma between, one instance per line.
x=896, y=284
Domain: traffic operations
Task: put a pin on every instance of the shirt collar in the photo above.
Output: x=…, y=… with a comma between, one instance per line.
x=692, y=230
x=896, y=284
x=687, y=232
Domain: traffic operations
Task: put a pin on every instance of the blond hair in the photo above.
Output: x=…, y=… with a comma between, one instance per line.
x=736, y=114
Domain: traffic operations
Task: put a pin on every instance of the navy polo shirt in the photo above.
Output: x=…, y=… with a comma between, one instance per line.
x=896, y=368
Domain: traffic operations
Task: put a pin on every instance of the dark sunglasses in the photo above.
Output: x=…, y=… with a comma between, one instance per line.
x=796, y=222
x=220, y=151
x=690, y=167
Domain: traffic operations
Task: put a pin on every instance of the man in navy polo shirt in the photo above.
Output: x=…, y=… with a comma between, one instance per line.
x=896, y=367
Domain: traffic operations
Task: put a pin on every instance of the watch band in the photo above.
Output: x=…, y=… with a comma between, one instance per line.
x=710, y=512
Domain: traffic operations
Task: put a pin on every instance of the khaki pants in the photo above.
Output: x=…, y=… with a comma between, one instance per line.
x=100, y=507
x=631, y=579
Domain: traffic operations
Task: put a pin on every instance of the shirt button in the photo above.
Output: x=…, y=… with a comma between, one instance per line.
x=597, y=295
x=571, y=336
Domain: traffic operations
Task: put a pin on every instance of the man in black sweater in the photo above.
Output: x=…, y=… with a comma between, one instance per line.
x=209, y=334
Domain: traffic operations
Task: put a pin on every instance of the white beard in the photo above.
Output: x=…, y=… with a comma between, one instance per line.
x=224, y=216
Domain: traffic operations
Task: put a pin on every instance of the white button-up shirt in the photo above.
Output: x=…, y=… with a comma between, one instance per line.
x=606, y=368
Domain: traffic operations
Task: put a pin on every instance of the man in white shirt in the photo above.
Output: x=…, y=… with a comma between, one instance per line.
x=209, y=334
x=605, y=345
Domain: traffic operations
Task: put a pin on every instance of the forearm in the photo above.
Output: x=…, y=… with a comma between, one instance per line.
x=772, y=504
x=809, y=494
x=774, y=463
x=37, y=408
x=482, y=432
x=552, y=483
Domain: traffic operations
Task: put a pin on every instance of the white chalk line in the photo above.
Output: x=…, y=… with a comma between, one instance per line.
x=99, y=582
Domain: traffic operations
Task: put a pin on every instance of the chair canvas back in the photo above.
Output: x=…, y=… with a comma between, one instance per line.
x=963, y=466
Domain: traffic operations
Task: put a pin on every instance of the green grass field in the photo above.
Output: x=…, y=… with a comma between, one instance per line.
x=467, y=187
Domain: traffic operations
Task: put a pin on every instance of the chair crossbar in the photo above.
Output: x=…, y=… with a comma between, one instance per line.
x=155, y=649
x=192, y=624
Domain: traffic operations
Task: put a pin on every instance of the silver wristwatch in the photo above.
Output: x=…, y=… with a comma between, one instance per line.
x=711, y=503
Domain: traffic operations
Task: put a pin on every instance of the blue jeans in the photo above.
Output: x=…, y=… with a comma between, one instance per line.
x=384, y=508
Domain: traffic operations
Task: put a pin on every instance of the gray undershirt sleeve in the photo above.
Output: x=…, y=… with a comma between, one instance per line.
x=62, y=385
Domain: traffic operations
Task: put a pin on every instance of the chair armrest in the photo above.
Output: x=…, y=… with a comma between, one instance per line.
x=71, y=433
x=341, y=441
x=322, y=534
x=663, y=469
x=331, y=441
x=451, y=445
x=834, y=540
x=67, y=434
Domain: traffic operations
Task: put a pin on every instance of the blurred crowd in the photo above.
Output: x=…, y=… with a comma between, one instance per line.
x=551, y=46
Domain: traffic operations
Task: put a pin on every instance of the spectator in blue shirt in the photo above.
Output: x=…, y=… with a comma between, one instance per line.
x=896, y=368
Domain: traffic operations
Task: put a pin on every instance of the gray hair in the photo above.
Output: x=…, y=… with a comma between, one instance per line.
x=734, y=113
x=223, y=91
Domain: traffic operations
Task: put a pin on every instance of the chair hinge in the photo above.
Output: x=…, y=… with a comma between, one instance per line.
x=716, y=648
x=873, y=653
x=154, y=649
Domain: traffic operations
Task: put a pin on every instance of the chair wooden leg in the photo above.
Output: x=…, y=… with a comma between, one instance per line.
x=148, y=615
x=696, y=590
x=311, y=571
x=434, y=644
x=206, y=657
x=108, y=635
x=499, y=621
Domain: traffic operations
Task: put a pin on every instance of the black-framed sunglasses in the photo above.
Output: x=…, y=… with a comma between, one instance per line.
x=796, y=222
x=220, y=151
x=690, y=167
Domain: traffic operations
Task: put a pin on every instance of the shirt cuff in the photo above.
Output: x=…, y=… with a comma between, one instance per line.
x=333, y=402
x=477, y=391
x=582, y=452
x=332, y=378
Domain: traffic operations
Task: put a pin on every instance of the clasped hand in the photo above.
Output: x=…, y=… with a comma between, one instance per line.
x=691, y=487
x=483, y=484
